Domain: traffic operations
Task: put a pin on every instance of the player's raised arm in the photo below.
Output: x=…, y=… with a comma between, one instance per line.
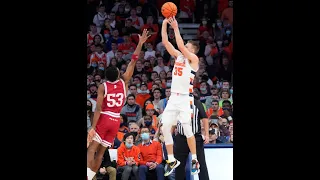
x=172, y=51
x=186, y=53
x=130, y=69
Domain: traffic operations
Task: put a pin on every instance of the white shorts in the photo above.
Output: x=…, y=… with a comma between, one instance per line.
x=179, y=107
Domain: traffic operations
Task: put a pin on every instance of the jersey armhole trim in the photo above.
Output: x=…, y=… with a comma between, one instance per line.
x=105, y=89
x=124, y=88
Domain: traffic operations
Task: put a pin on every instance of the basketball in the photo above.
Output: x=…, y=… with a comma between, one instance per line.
x=169, y=9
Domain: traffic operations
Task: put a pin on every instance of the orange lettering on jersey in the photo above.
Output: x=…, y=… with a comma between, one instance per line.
x=180, y=64
x=190, y=90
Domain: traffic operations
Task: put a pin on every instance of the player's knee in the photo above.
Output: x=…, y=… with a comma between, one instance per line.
x=112, y=171
x=187, y=130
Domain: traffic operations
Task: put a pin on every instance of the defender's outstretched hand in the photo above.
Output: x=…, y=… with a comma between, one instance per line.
x=144, y=36
x=173, y=22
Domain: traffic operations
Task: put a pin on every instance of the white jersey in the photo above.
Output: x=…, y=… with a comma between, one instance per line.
x=182, y=76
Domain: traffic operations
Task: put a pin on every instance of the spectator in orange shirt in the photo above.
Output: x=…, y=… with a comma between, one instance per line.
x=227, y=13
x=215, y=109
x=142, y=94
x=128, y=157
x=150, y=111
x=126, y=45
x=153, y=29
x=151, y=156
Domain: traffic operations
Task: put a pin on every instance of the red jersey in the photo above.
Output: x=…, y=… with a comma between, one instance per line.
x=98, y=58
x=114, y=97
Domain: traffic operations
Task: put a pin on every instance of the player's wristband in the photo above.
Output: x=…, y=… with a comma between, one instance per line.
x=134, y=57
x=229, y=118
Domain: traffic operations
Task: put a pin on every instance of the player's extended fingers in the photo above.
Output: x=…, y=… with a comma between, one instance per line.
x=149, y=36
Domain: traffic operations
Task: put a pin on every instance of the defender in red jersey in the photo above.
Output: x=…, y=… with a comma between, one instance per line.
x=106, y=119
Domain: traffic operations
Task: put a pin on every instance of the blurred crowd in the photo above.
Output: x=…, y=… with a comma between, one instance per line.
x=113, y=28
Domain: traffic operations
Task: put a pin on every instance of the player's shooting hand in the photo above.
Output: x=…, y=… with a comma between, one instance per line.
x=145, y=35
x=165, y=21
x=173, y=22
x=206, y=140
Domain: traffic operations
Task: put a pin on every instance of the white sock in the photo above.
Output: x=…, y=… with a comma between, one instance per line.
x=171, y=158
x=193, y=156
x=90, y=173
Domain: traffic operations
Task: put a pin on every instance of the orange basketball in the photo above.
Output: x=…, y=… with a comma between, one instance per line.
x=169, y=9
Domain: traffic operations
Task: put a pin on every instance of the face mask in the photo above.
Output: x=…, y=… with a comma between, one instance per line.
x=138, y=85
x=148, y=123
x=89, y=108
x=135, y=133
x=228, y=32
x=101, y=68
x=168, y=84
x=219, y=24
x=129, y=145
x=215, y=121
x=145, y=136
x=219, y=43
x=144, y=92
x=231, y=91
x=106, y=36
x=203, y=89
x=94, y=65
x=88, y=96
x=149, y=49
x=126, y=9
x=160, y=21
x=138, y=11
x=225, y=87
x=204, y=22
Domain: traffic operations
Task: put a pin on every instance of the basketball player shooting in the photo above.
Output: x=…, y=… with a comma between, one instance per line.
x=106, y=119
x=180, y=104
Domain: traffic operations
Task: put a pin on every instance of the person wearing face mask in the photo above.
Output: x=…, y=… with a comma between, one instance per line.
x=149, y=121
x=89, y=114
x=99, y=18
x=131, y=109
x=204, y=92
x=128, y=157
x=218, y=30
x=151, y=156
x=142, y=94
x=150, y=52
x=204, y=27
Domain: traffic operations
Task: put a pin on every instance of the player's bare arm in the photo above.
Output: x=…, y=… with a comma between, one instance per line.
x=97, y=112
x=170, y=48
x=186, y=53
x=206, y=129
x=130, y=69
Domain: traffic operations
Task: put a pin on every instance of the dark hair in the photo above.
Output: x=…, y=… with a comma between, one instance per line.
x=131, y=95
x=157, y=89
x=127, y=135
x=195, y=45
x=112, y=73
x=215, y=101
x=99, y=45
x=226, y=101
x=145, y=127
x=133, y=85
x=124, y=117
